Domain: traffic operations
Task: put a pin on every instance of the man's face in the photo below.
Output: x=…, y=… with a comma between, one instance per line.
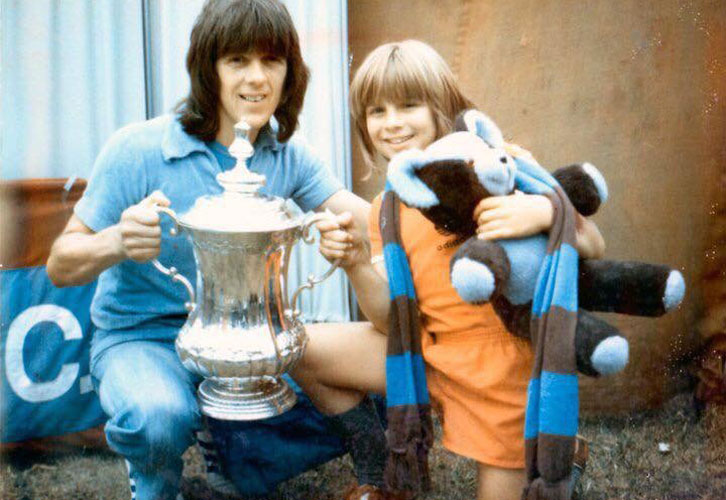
x=250, y=88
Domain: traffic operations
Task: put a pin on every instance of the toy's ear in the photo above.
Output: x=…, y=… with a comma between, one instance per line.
x=473, y=120
x=403, y=179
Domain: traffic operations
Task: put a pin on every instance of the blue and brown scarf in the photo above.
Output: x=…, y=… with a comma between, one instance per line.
x=552, y=400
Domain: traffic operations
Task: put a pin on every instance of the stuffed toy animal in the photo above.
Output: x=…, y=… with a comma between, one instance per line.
x=538, y=286
x=447, y=181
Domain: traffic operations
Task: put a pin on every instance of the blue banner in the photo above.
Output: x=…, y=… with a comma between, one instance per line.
x=46, y=387
x=45, y=336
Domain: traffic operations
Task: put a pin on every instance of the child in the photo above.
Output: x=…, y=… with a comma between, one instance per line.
x=244, y=62
x=405, y=96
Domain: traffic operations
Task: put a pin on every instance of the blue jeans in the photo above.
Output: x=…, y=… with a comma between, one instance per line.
x=151, y=402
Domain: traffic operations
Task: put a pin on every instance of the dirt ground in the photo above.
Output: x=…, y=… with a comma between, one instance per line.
x=625, y=463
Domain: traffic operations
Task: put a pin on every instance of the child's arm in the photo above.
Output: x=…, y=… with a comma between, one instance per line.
x=519, y=215
x=346, y=239
x=590, y=243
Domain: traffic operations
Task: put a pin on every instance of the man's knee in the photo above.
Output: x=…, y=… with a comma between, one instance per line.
x=169, y=429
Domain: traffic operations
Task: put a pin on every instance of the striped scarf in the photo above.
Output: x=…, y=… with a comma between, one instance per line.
x=410, y=429
x=552, y=397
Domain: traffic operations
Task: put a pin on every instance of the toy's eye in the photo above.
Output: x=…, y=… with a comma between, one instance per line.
x=503, y=159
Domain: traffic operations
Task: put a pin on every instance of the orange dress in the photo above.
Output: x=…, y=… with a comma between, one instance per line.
x=477, y=372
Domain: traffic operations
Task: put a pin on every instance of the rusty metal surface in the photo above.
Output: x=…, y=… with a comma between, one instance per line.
x=636, y=87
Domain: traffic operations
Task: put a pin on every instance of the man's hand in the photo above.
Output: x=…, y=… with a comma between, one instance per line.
x=513, y=216
x=139, y=229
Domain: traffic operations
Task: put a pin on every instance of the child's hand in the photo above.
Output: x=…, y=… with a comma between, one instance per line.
x=513, y=216
x=517, y=151
x=338, y=241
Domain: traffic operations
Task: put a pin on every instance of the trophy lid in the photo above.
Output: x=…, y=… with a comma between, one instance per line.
x=240, y=208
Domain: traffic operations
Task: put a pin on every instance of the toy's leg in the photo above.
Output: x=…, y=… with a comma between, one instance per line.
x=599, y=347
x=477, y=269
x=635, y=288
x=584, y=185
x=516, y=317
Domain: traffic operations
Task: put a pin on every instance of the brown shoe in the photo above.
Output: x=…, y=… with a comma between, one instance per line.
x=582, y=451
x=370, y=492
x=579, y=462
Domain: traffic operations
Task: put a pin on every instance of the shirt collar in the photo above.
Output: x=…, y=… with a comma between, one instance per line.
x=176, y=143
x=267, y=137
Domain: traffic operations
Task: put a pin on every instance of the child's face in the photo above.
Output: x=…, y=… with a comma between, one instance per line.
x=396, y=127
x=250, y=88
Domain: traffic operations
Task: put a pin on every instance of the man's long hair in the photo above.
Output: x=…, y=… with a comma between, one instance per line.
x=237, y=27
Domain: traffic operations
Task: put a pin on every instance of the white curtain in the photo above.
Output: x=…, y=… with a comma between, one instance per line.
x=73, y=71
x=169, y=27
x=323, y=30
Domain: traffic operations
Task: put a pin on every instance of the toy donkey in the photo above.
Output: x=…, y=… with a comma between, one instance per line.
x=538, y=286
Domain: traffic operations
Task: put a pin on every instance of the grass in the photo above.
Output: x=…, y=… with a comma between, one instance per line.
x=625, y=463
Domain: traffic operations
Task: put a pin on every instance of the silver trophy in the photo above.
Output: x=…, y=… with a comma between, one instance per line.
x=242, y=334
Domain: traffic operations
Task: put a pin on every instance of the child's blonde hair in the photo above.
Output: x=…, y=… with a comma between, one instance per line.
x=401, y=71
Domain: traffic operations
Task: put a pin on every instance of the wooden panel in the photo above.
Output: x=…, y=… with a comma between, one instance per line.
x=33, y=212
x=636, y=87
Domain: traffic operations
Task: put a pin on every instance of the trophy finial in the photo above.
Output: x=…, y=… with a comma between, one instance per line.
x=241, y=148
x=240, y=179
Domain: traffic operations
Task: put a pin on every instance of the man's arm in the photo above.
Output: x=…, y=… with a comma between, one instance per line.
x=79, y=254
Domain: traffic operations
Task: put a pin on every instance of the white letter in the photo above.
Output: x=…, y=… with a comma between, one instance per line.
x=36, y=392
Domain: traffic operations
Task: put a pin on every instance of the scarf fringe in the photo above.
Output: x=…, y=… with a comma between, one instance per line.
x=539, y=489
x=408, y=470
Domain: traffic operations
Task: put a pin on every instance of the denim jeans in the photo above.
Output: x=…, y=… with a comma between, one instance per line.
x=151, y=402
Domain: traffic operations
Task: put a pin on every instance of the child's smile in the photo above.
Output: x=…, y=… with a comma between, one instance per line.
x=397, y=127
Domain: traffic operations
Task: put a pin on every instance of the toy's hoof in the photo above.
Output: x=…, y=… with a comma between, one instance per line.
x=610, y=356
x=473, y=281
x=675, y=289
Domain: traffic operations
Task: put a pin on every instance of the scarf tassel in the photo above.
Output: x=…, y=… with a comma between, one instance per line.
x=539, y=489
x=407, y=469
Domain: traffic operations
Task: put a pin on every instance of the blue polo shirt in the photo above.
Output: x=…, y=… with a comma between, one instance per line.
x=134, y=300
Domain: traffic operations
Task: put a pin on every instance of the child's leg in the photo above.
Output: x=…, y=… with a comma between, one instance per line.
x=497, y=483
x=341, y=364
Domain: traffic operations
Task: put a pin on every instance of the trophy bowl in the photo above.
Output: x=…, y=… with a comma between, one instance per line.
x=241, y=334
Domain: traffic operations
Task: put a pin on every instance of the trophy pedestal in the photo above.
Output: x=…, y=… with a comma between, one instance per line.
x=245, y=399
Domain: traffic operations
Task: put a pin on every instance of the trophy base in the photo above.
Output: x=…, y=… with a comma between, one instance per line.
x=245, y=399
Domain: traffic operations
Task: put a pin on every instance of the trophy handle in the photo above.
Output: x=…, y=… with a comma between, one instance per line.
x=309, y=239
x=172, y=272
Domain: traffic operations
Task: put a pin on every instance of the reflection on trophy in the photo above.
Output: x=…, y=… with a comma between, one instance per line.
x=241, y=334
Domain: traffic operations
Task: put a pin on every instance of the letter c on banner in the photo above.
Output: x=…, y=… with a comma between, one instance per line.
x=37, y=392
